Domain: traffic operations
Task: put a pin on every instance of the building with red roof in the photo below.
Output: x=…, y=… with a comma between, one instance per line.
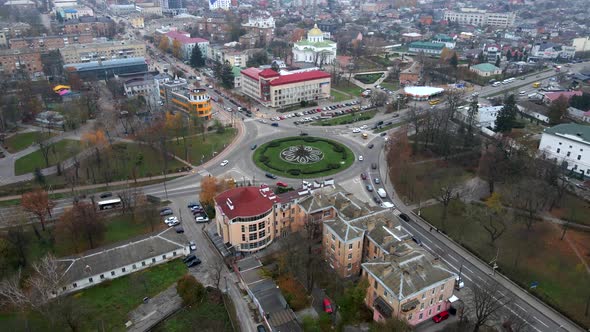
x=280, y=89
x=552, y=96
x=187, y=43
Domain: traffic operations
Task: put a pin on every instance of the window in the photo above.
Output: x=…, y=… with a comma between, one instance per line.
x=252, y=228
x=243, y=228
x=433, y=291
x=333, y=237
x=349, y=256
x=442, y=287
x=143, y=263
x=579, y=157
x=420, y=317
x=423, y=296
x=163, y=256
x=112, y=273
x=558, y=150
x=375, y=285
x=253, y=236
x=339, y=243
x=262, y=233
x=438, y=308
x=350, y=246
x=123, y=270
x=429, y=312
x=385, y=293
x=101, y=276
x=75, y=285
x=90, y=280
x=421, y=306
x=261, y=224
x=440, y=298
x=568, y=154
x=349, y=266
x=64, y=288
x=431, y=301
x=153, y=260
x=134, y=267
x=243, y=237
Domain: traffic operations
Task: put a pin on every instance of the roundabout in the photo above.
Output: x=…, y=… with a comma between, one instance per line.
x=303, y=157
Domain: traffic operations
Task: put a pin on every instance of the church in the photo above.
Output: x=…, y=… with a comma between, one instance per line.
x=315, y=49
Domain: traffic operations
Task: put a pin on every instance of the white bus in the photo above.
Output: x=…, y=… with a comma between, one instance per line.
x=112, y=203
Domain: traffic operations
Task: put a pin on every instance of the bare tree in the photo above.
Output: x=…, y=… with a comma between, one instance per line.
x=378, y=98
x=529, y=196
x=216, y=269
x=44, y=147
x=18, y=239
x=448, y=188
x=517, y=322
x=487, y=302
x=454, y=97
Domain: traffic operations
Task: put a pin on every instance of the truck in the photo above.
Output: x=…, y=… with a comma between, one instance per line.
x=381, y=192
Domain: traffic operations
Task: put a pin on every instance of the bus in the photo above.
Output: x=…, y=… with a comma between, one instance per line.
x=536, y=84
x=112, y=203
x=434, y=102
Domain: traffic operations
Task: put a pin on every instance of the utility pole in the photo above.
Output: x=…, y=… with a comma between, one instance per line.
x=494, y=264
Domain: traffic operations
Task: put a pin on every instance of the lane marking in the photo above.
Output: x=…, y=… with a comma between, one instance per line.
x=468, y=269
x=535, y=317
x=453, y=258
x=521, y=308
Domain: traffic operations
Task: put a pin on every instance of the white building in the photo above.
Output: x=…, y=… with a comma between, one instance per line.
x=64, y=3
x=581, y=44
x=264, y=20
x=547, y=50
x=95, y=266
x=485, y=116
x=219, y=4
x=472, y=16
x=569, y=144
x=315, y=49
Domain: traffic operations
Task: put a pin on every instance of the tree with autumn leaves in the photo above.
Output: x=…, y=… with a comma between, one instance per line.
x=38, y=203
x=211, y=187
x=81, y=223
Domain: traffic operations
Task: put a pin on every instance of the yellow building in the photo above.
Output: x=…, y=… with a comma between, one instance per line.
x=137, y=21
x=177, y=95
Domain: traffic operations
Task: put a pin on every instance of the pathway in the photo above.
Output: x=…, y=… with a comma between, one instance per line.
x=150, y=313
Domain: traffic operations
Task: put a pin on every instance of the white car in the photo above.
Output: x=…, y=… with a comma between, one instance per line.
x=387, y=205
x=361, y=158
x=171, y=221
x=364, y=127
x=356, y=130
x=192, y=246
x=225, y=162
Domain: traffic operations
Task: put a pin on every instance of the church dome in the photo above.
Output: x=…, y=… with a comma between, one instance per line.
x=315, y=31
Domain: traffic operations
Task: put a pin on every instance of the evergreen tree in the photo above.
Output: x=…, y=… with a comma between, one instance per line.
x=508, y=55
x=557, y=110
x=197, y=59
x=454, y=60
x=227, y=76
x=275, y=66
x=498, y=61
x=507, y=115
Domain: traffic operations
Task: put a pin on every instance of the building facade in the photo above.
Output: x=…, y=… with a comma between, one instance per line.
x=569, y=145
x=103, y=70
x=315, y=49
x=187, y=43
x=219, y=4
x=471, y=16
x=15, y=61
x=69, y=13
x=285, y=88
x=446, y=40
x=235, y=57
x=102, y=51
x=50, y=42
x=485, y=70
x=97, y=26
x=411, y=75
x=262, y=26
x=426, y=48
x=581, y=44
x=177, y=94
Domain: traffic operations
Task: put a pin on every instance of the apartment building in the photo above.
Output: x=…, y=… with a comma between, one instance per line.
x=568, y=144
x=50, y=42
x=219, y=4
x=102, y=70
x=261, y=25
x=13, y=61
x=472, y=16
x=74, y=12
x=102, y=51
x=214, y=26
x=426, y=48
x=235, y=57
x=275, y=89
x=187, y=43
x=97, y=26
x=177, y=94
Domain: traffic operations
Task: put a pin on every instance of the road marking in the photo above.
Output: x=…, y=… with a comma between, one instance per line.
x=436, y=246
x=453, y=258
x=466, y=276
x=521, y=308
x=468, y=269
x=540, y=321
x=482, y=279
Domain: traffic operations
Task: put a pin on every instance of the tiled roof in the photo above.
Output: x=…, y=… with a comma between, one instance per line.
x=251, y=72
x=246, y=201
x=182, y=37
x=568, y=94
x=268, y=73
x=571, y=129
x=300, y=77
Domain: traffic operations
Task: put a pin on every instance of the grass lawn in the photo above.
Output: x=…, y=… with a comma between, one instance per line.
x=349, y=88
x=199, y=150
x=58, y=152
x=278, y=166
x=294, y=292
x=21, y=141
x=338, y=96
x=573, y=208
x=527, y=256
x=106, y=305
x=346, y=119
x=368, y=78
x=390, y=86
x=208, y=316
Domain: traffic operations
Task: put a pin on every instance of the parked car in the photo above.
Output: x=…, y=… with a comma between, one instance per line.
x=363, y=176
x=166, y=211
x=440, y=316
x=192, y=246
x=370, y=146
x=282, y=184
x=376, y=180
x=369, y=188
x=191, y=204
x=275, y=124
x=189, y=258
x=193, y=262
x=374, y=165
x=404, y=217
x=179, y=229
x=171, y=221
x=417, y=240
x=253, y=147
x=361, y=158
x=201, y=219
x=327, y=305
x=270, y=176
x=224, y=163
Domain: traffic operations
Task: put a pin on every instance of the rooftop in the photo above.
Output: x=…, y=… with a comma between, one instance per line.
x=300, y=77
x=428, y=45
x=486, y=67
x=325, y=43
x=246, y=201
x=551, y=96
x=92, y=65
x=573, y=130
x=183, y=37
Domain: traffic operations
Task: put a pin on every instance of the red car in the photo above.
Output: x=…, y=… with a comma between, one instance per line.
x=363, y=176
x=441, y=316
x=282, y=184
x=327, y=305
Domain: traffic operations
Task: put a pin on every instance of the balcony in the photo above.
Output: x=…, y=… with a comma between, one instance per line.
x=411, y=305
x=384, y=309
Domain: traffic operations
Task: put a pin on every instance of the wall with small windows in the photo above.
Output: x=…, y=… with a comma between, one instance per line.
x=571, y=151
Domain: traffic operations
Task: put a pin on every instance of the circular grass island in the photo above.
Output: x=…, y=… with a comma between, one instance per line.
x=303, y=157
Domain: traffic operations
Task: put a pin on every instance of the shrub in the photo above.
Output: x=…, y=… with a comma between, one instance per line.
x=263, y=159
x=274, y=144
x=190, y=290
x=338, y=148
x=310, y=139
x=333, y=166
x=294, y=171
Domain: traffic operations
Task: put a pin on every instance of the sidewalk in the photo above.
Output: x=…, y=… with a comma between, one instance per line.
x=156, y=309
x=549, y=312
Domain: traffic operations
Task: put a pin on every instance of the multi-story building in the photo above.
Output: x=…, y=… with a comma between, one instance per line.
x=411, y=75
x=581, y=44
x=149, y=9
x=315, y=49
x=13, y=61
x=426, y=48
x=568, y=144
x=97, y=26
x=214, y=26
x=261, y=25
x=486, y=70
x=64, y=3
x=446, y=40
x=187, y=43
x=472, y=16
x=285, y=88
x=146, y=85
x=102, y=51
x=103, y=70
x=177, y=94
x=50, y=42
x=136, y=21
x=548, y=50
x=235, y=57
x=3, y=39
x=219, y=4
x=409, y=284
x=69, y=13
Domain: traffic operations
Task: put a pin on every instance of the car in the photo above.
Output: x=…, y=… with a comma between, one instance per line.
x=361, y=158
x=179, y=229
x=253, y=147
x=282, y=117
x=171, y=221
x=522, y=93
x=282, y=184
x=374, y=165
x=166, y=211
x=459, y=283
x=275, y=124
x=370, y=146
x=201, y=218
x=417, y=240
x=369, y=188
x=404, y=217
x=376, y=180
x=363, y=127
x=224, y=163
x=191, y=204
x=260, y=328
x=192, y=246
x=210, y=86
x=440, y=316
x=387, y=205
x=356, y=130
x=376, y=199
x=327, y=305
x=189, y=258
x=383, y=133
x=303, y=134
x=193, y=262
x=363, y=176
x=105, y=195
